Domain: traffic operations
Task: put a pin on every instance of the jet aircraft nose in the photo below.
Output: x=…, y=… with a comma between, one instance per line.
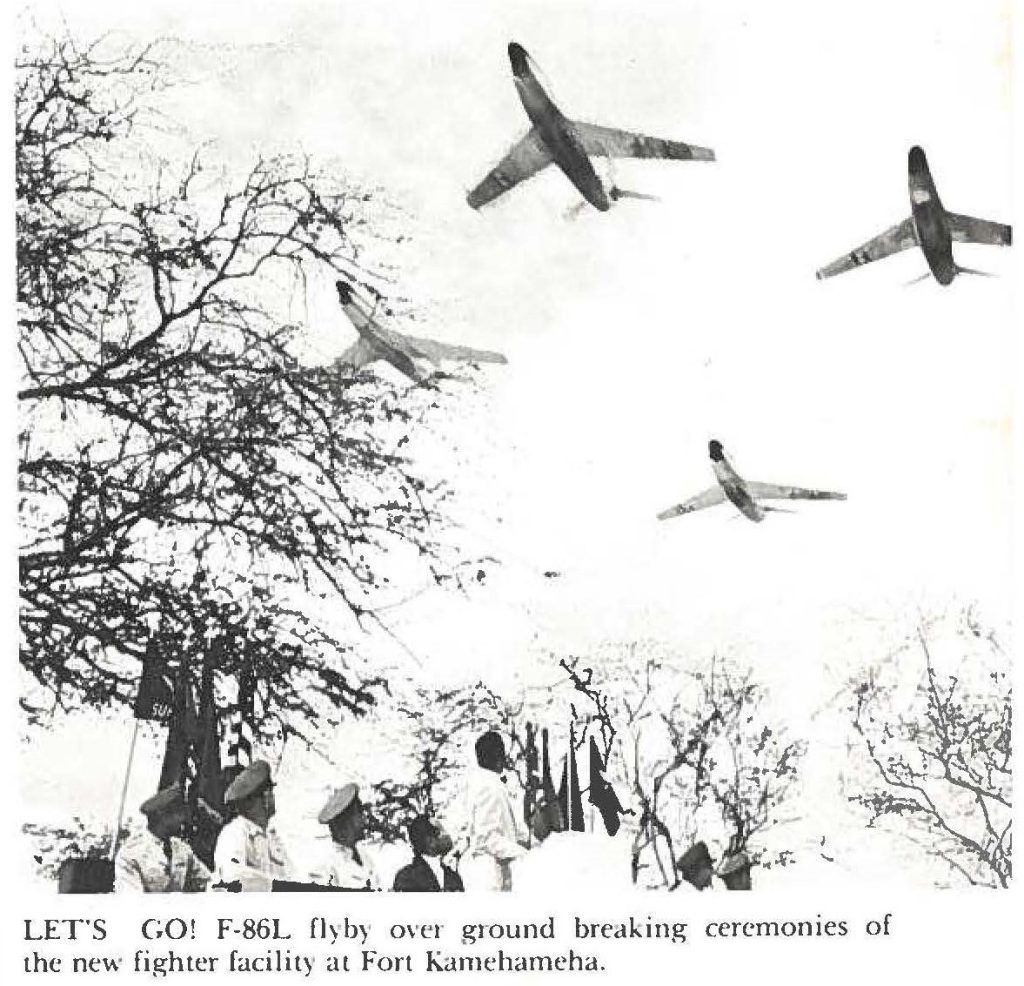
x=344, y=292
x=715, y=450
x=518, y=57
x=916, y=160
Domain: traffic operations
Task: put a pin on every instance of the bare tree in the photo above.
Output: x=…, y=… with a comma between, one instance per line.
x=694, y=742
x=941, y=757
x=171, y=443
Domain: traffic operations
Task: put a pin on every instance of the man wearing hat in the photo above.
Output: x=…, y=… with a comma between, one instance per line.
x=341, y=864
x=695, y=866
x=493, y=836
x=735, y=871
x=247, y=853
x=426, y=872
x=157, y=860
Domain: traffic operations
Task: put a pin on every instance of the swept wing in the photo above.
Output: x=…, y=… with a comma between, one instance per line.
x=900, y=237
x=525, y=159
x=608, y=142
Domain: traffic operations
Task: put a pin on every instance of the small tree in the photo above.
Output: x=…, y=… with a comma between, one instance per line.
x=938, y=743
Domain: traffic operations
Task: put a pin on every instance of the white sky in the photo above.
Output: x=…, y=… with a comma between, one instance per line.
x=635, y=336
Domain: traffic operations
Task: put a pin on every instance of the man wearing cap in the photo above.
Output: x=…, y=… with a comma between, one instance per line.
x=341, y=864
x=735, y=871
x=493, y=836
x=248, y=855
x=695, y=866
x=426, y=872
x=157, y=860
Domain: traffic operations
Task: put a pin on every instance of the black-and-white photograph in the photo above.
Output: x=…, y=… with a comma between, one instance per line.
x=449, y=459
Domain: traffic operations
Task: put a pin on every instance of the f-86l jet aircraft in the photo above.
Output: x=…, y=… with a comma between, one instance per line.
x=400, y=350
x=929, y=226
x=746, y=497
x=570, y=145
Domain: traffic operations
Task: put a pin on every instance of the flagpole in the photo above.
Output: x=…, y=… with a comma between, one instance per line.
x=124, y=790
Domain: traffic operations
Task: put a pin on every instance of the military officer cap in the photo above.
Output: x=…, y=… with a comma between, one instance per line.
x=250, y=781
x=695, y=858
x=165, y=800
x=734, y=863
x=341, y=800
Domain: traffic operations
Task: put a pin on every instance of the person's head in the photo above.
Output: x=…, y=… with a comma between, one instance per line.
x=427, y=838
x=166, y=812
x=735, y=871
x=695, y=866
x=251, y=794
x=490, y=751
x=344, y=816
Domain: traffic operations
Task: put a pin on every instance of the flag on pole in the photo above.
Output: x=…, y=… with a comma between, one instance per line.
x=206, y=795
x=532, y=774
x=575, y=801
x=181, y=758
x=241, y=732
x=602, y=795
x=208, y=782
x=547, y=782
x=155, y=699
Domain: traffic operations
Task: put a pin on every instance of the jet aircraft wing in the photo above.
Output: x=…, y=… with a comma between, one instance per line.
x=769, y=491
x=608, y=142
x=436, y=351
x=967, y=229
x=525, y=159
x=709, y=498
x=358, y=354
x=901, y=237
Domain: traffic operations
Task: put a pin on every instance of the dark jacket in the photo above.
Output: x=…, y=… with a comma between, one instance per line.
x=418, y=876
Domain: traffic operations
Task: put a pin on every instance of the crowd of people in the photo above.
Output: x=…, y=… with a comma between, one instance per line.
x=494, y=851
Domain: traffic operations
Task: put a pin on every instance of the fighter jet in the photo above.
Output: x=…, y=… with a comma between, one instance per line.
x=746, y=497
x=929, y=226
x=400, y=350
x=569, y=144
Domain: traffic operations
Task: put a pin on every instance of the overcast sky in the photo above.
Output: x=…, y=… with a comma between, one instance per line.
x=635, y=336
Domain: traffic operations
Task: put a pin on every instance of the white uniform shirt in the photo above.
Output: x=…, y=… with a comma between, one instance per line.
x=338, y=867
x=251, y=855
x=492, y=833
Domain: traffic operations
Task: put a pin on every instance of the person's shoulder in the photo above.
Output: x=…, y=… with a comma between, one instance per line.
x=452, y=877
x=405, y=877
x=141, y=842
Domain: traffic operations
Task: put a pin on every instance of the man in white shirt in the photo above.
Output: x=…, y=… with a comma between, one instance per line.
x=248, y=854
x=494, y=837
x=342, y=864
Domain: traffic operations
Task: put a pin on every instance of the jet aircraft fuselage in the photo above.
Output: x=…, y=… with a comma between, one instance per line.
x=556, y=131
x=933, y=232
x=733, y=485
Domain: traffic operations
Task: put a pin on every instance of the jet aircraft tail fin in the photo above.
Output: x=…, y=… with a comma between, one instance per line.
x=972, y=270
